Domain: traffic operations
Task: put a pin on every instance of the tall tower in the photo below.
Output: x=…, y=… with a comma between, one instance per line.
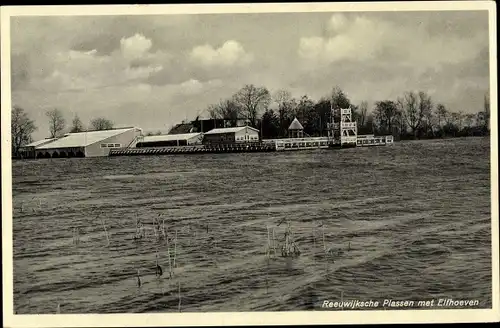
x=348, y=128
x=334, y=125
x=342, y=130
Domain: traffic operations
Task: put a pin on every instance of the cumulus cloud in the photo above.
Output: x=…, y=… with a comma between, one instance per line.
x=135, y=46
x=367, y=38
x=132, y=62
x=231, y=53
x=337, y=23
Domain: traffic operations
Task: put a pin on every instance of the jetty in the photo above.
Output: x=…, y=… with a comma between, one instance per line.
x=342, y=133
x=194, y=149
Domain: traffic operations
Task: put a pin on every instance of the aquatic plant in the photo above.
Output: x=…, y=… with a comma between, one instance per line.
x=289, y=248
x=105, y=231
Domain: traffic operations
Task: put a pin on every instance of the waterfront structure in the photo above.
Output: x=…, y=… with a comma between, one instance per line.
x=372, y=140
x=89, y=143
x=241, y=134
x=342, y=130
x=169, y=140
x=296, y=130
x=298, y=143
x=28, y=151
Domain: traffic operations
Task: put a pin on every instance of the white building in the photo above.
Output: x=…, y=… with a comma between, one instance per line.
x=89, y=143
x=241, y=134
x=167, y=140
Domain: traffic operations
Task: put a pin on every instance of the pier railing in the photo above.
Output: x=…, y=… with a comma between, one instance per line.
x=298, y=143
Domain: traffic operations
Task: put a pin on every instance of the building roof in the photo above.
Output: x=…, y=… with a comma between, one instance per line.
x=295, y=125
x=82, y=139
x=170, y=137
x=230, y=130
x=40, y=142
x=181, y=128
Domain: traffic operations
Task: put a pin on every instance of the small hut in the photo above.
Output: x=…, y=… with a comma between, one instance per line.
x=296, y=130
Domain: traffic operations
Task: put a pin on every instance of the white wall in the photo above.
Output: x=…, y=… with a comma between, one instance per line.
x=247, y=135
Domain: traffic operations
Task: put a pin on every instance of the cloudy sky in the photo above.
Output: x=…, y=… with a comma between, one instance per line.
x=155, y=71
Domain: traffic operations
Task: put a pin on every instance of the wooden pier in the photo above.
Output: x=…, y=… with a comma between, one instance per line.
x=269, y=145
x=298, y=143
x=195, y=149
x=372, y=140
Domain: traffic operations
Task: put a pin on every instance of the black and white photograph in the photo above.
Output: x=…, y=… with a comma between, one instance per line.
x=249, y=164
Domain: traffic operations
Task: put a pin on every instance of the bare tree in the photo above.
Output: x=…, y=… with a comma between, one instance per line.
x=287, y=107
x=386, y=114
x=460, y=119
x=252, y=100
x=363, y=109
x=486, y=112
x=441, y=113
x=469, y=121
x=76, y=125
x=21, y=129
x=414, y=107
x=425, y=108
x=226, y=110
x=57, y=123
x=101, y=123
x=213, y=111
x=283, y=99
x=339, y=98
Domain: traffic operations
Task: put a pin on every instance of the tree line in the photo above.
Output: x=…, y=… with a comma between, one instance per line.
x=22, y=127
x=413, y=115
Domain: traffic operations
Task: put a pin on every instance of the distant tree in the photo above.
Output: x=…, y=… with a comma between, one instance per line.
x=227, y=110
x=305, y=113
x=101, y=123
x=441, y=114
x=21, y=129
x=459, y=118
x=76, y=125
x=363, y=109
x=370, y=125
x=323, y=114
x=57, y=123
x=468, y=124
x=425, y=112
x=429, y=119
x=150, y=133
x=213, y=112
x=286, y=109
x=269, y=124
x=252, y=100
x=413, y=107
x=339, y=98
x=386, y=115
x=484, y=116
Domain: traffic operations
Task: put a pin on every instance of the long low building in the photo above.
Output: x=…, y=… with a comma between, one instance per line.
x=168, y=140
x=239, y=134
x=29, y=150
x=87, y=144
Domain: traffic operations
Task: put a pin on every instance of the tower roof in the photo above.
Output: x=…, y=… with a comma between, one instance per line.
x=295, y=125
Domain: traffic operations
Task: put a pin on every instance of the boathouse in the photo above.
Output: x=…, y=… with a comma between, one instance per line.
x=89, y=143
x=296, y=130
x=168, y=140
x=241, y=134
x=28, y=151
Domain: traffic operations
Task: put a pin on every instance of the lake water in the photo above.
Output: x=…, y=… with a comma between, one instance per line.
x=416, y=216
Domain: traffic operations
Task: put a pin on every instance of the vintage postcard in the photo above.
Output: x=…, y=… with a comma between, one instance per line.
x=236, y=164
